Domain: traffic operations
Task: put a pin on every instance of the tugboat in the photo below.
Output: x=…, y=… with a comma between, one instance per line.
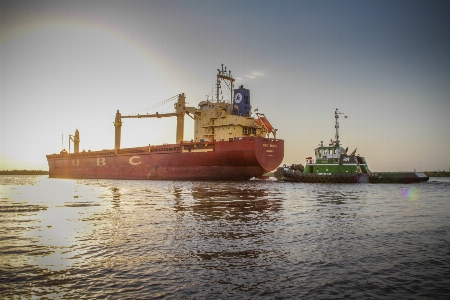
x=332, y=163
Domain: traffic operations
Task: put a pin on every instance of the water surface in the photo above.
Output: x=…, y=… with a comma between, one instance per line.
x=121, y=239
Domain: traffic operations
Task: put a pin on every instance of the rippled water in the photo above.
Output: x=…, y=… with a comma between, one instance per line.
x=89, y=239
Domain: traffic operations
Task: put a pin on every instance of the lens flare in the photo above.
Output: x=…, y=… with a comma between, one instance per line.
x=412, y=193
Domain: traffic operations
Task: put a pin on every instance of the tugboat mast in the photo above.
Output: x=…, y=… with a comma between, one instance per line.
x=336, y=117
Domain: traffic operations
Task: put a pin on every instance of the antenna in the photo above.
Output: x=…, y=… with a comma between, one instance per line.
x=336, y=117
x=223, y=74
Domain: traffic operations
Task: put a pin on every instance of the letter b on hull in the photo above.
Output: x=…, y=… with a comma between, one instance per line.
x=101, y=161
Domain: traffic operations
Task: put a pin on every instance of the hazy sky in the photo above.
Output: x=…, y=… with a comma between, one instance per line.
x=71, y=64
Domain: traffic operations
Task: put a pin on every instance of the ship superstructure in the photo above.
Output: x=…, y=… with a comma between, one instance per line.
x=333, y=158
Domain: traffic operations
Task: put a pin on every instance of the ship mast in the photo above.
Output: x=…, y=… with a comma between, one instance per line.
x=223, y=74
x=336, y=117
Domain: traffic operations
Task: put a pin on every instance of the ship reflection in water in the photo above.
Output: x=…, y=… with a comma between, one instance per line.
x=236, y=222
x=250, y=239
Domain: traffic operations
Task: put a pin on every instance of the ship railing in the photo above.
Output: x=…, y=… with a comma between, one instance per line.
x=91, y=153
x=165, y=149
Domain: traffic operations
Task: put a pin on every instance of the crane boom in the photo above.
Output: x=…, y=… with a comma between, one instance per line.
x=157, y=115
x=180, y=111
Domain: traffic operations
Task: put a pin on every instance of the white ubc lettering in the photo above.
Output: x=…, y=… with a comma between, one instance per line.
x=131, y=160
x=75, y=162
x=101, y=161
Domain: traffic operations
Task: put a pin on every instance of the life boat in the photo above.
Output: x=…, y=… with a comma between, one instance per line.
x=262, y=121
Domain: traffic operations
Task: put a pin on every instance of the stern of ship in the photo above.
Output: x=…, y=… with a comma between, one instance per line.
x=269, y=152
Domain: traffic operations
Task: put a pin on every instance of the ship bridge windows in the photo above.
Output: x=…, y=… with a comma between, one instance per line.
x=248, y=130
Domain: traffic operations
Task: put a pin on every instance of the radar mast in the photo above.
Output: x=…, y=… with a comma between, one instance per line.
x=225, y=75
x=336, y=117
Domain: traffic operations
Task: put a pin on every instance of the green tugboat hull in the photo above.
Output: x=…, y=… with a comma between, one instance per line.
x=285, y=174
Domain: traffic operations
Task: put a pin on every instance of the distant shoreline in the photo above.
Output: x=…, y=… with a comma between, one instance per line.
x=437, y=174
x=23, y=172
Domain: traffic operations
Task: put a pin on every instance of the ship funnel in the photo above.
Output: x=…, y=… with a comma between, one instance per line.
x=241, y=103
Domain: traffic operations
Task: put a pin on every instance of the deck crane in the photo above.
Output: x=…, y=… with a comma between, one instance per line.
x=180, y=111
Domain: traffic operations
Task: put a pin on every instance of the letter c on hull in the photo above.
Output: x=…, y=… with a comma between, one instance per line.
x=131, y=160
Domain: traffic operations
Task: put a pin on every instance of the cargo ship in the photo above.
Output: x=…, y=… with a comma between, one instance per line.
x=231, y=142
x=333, y=163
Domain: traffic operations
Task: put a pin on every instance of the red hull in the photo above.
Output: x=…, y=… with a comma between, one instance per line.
x=238, y=159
